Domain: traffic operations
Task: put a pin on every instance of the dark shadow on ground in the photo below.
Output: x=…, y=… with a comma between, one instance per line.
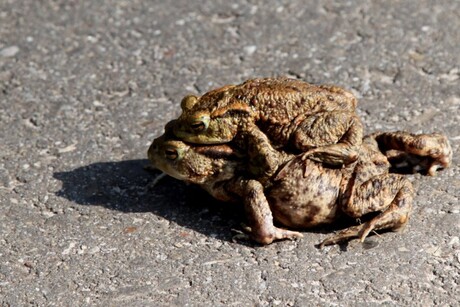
x=123, y=186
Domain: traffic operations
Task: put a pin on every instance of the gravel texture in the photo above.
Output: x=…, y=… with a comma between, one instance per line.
x=85, y=86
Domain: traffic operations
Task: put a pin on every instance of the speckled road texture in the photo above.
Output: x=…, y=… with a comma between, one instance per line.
x=85, y=86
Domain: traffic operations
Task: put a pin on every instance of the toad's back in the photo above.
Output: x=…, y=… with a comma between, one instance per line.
x=281, y=100
x=277, y=100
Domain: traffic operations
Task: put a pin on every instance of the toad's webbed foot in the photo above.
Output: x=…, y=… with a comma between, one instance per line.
x=392, y=219
x=275, y=234
x=342, y=236
x=265, y=238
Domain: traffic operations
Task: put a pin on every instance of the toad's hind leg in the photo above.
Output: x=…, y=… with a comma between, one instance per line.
x=332, y=137
x=434, y=147
x=390, y=194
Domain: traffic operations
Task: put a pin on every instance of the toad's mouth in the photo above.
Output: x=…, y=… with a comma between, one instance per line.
x=173, y=173
x=168, y=170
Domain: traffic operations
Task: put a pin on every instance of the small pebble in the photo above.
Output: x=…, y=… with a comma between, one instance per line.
x=249, y=50
x=9, y=51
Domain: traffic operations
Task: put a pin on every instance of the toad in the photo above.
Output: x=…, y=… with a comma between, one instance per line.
x=304, y=193
x=285, y=113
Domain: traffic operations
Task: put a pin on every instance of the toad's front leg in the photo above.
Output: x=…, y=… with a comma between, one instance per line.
x=259, y=214
x=389, y=194
x=264, y=160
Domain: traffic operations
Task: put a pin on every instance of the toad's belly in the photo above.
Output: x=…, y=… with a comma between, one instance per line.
x=305, y=195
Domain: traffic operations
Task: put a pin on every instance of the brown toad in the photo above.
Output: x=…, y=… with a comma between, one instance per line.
x=304, y=193
x=284, y=113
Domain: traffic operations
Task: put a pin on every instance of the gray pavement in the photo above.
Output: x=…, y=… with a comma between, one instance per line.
x=86, y=85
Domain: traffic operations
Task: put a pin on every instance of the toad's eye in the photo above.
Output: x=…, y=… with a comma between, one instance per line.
x=171, y=154
x=199, y=123
x=198, y=126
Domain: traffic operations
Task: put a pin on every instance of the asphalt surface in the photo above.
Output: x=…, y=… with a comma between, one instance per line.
x=85, y=86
